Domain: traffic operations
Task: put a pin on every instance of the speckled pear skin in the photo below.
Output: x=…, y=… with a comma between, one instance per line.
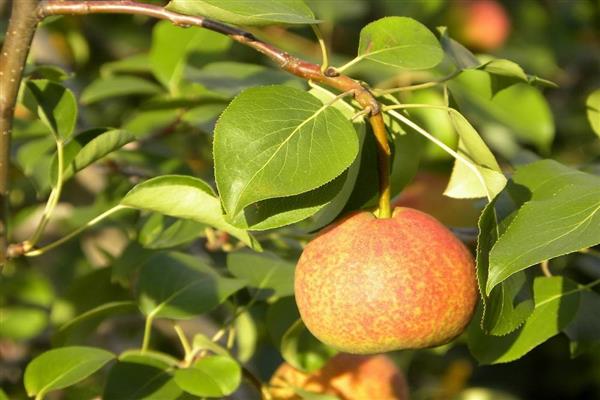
x=367, y=285
x=346, y=376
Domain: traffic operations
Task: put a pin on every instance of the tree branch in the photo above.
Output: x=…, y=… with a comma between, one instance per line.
x=284, y=60
x=21, y=28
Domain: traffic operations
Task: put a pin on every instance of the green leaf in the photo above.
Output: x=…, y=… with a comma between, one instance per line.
x=304, y=351
x=117, y=86
x=160, y=232
x=518, y=108
x=62, y=367
x=247, y=337
x=400, y=42
x=142, y=377
x=54, y=104
x=274, y=213
x=179, y=286
x=135, y=64
x=79, y=328
x=505, y=68
x=21, y=322
x=212, y=376
x=264, y=12
x=183, y=197
x=556, y=301
x=203, y=342
x=560, y=217
x=230, y=78
x=263, y=271
x=278, y=141
x=89, y=147
x=593, y=110
x=510, y=303
x=464, y=181
x=171, y=46
x=297, y=345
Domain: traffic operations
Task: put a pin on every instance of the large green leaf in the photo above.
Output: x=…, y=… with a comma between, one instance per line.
x=117, y=86
x=593, y=110
x=62, y=367
x=560, y=217
x=88, y=147
x=212, y=376
x=278, y=141
x=179, y=286
x=400, y=42
x=556, y=301
x=183, y=197
x=141, y=377
x=171, y=46
x=54, y=104
x=240, y=12
x=263, y=271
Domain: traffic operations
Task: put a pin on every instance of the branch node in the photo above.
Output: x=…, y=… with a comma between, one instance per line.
x=331, y=72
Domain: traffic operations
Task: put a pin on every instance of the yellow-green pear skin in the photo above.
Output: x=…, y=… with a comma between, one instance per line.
x=370, y=285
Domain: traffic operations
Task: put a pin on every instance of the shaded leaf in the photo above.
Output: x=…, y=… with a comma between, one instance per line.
x=117, y=86
x=141, y=376
x=264, y=12
x=160, y=232
x=62, y=367
x=22, y=322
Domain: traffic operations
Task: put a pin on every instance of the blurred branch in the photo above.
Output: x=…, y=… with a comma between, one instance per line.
x=21, y=28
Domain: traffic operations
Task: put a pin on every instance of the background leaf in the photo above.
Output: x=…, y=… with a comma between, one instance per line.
x=263, y=271
x=179, y=286
x=593, y=110
x=62, y=367
x=292, y=144
x=54, y=104
x=117, y=86
x=264, y=12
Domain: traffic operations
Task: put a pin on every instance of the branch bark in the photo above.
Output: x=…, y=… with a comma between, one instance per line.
x=284, y=60
x=21, y=28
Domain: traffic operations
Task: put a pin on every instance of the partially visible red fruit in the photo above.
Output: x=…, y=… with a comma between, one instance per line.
x=481, y=24
x=347, y=376
x=369, y=285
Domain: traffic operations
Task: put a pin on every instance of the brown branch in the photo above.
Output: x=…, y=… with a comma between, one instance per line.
x=21, y=28
x=284, y=60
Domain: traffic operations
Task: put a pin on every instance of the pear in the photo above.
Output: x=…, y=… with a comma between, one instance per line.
x=370, y=285
x=347, y=376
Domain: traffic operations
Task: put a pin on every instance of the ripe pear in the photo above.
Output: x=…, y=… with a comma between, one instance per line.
x=347, y=376
x=370, y=285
